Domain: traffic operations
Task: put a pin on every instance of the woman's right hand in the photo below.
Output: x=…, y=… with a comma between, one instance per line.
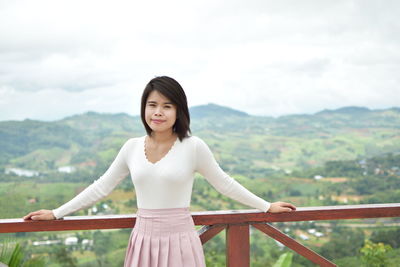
x=40, y=215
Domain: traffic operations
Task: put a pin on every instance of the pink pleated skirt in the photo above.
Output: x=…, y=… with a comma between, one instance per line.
x=164, y=238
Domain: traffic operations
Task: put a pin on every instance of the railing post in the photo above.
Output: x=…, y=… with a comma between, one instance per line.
x=237, y=245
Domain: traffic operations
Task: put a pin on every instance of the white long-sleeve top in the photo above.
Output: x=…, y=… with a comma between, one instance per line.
x=166, y=183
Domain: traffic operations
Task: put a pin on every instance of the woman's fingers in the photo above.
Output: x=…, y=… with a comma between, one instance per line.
x=40, y=215
x=289, y=205
x=29, y=215
x=284, y=209
x=36, y=217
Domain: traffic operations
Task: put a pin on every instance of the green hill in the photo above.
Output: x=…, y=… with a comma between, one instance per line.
x=244, y=144
x=355, y=150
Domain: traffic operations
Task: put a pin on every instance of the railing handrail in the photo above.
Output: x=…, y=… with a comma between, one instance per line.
x=235, y=222
x=208, y=218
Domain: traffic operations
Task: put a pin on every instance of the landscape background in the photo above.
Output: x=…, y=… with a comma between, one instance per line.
x=314, y=85
x=349, y=155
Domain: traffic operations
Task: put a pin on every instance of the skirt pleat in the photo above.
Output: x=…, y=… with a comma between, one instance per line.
x=175, y=252
x=129, y=256
x=164, y=238
x=155, y=245
x=164, y=246
x=198, y=254
x=136, y=252
x=187, y=254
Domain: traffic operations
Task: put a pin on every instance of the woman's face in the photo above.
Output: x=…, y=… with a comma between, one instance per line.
x=160, y=113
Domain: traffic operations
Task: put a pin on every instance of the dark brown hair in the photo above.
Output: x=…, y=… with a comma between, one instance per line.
x=172, y=90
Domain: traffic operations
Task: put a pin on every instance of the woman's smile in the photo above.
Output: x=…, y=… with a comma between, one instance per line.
x=157, y=121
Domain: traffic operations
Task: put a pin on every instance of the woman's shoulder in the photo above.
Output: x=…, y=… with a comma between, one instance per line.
x=134, y=141
x=194, y=141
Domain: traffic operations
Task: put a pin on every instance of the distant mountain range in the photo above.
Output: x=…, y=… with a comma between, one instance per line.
x=239, y=141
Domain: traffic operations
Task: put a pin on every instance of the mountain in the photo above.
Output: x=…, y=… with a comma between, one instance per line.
x=242, y=143
x=346, y=110
x=215, y=111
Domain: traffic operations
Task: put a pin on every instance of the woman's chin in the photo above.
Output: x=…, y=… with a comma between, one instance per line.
x=161, y=129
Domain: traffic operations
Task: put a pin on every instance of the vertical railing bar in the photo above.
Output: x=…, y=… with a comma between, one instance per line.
x=237, y=245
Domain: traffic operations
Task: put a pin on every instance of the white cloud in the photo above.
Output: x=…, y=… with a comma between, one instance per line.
x=55, y=103
x=263, y=57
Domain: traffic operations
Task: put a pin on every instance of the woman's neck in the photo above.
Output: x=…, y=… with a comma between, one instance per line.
x=162, y=137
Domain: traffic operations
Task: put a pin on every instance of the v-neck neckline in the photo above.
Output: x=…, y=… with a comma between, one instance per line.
x=166, y=154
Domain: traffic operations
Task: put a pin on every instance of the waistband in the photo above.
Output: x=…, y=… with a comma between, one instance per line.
x=159, y=222
x=167, y=211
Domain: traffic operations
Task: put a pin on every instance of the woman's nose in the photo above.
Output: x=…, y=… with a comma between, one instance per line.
x=158, y=111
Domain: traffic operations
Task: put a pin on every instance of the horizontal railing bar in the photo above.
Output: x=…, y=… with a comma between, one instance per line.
x=301, y=214
x=68, y=223
x=208, y=218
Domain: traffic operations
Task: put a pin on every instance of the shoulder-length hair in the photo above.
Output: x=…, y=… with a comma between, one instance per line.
x=172, y=90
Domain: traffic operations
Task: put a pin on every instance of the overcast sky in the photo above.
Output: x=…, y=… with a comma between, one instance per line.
x=59, y=58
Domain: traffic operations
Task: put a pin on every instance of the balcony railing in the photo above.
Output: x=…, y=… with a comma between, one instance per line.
x=236, y=223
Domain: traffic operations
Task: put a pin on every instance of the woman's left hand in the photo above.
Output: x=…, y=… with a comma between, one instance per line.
x=277, y=207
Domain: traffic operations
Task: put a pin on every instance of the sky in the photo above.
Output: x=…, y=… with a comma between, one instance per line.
x=272, y=58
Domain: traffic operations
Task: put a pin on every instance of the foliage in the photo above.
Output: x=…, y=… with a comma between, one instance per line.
x=343, y=242
x=63, y=257
x=285, y=260
x=101, y=247
x=13, y=256
x=390, y=237
x=387, y=196
x=375, y=254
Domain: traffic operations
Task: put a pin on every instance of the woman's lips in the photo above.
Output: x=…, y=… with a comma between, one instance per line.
x=157, y=121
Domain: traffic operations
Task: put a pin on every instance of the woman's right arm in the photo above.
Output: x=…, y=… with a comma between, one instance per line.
x=100, y=188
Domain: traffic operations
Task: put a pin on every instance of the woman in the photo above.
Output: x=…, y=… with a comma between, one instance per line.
x=162, y=166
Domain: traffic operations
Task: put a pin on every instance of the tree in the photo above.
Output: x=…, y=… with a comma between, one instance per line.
x=62, y=256
x=375, y=254
x=101, y=247
x=344, y=242
x=390, y=237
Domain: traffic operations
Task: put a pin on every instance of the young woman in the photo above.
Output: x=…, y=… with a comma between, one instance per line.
x=162, y=166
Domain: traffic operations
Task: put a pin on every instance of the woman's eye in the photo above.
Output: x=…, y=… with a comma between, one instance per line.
x=167, y=106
